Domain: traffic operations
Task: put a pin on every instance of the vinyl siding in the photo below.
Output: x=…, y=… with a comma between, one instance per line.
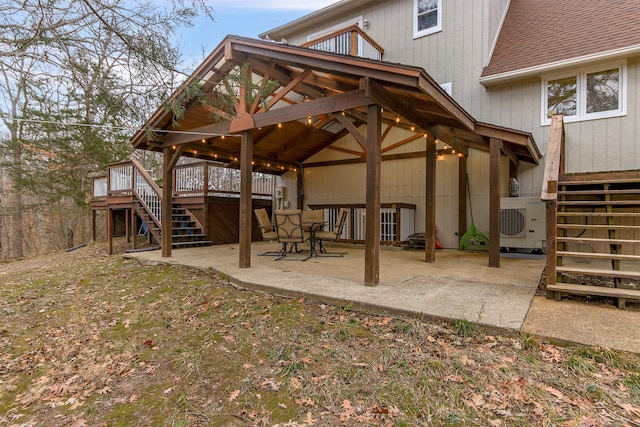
x=458, y=54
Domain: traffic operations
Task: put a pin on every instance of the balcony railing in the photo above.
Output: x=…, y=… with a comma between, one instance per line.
x=188, y=181
x=350, y=41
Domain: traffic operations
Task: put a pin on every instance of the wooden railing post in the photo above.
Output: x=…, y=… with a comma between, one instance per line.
x=554, y=167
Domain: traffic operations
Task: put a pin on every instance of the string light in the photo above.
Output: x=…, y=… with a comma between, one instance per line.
x=397, y=119
x=204, y=140
x=413, y=128
x=279, y=125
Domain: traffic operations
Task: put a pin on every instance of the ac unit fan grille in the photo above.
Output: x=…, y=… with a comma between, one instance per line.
x=512, y=222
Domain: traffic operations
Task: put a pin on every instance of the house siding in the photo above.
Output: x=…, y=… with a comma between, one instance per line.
x=458, y=54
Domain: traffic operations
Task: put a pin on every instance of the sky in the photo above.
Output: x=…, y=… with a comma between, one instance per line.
x=246, y=18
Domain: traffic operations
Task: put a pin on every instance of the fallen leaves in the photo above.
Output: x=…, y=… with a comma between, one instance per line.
x=263, y=360
x=234, y=395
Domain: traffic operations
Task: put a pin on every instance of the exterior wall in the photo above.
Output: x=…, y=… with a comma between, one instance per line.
x=458, y=54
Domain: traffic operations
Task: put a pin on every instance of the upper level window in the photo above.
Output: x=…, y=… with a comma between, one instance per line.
x=427, y=17
x=589, y=94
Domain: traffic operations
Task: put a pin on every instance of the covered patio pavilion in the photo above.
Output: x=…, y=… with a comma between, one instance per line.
x=274, y=106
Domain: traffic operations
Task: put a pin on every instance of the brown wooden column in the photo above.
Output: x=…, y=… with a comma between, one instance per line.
x=134, y=230
x=494, y=202
x=93, y=225
x=127, y=228
x=167, y=201
x=462, y=196
x=430, y=202
x=246, y=169
x=372, y=226
x=109, y=219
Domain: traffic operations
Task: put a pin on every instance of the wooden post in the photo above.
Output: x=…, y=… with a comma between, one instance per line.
x=552, y=218
x=205, y=191
x=109, y=218
x=495, y=146
x=93, y=225
x=134, y=230
x=430, y=202
x=372, y=226
x=462, y=196
x=167, y=201
x=127, y=228
x=246, y=156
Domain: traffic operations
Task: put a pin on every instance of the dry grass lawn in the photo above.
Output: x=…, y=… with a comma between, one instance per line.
x=88, y=339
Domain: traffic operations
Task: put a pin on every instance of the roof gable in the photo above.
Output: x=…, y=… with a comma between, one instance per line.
x=319, y=98
x=544, y=32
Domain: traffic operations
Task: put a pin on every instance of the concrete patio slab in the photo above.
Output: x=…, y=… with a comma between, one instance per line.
x=457, y=285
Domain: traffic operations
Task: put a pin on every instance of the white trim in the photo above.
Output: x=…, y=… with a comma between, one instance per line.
x=498, y=31
x=581, y=107
x=447, y=87
x=421, y=33
x=550, y=67
x=353, y=21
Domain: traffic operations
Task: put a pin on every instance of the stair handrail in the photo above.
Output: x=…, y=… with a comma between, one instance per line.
x=148, y=193
x=554, y=167
x=554, y=162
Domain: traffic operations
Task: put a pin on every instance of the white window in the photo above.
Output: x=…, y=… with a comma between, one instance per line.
x=592, y=93
x=427, y=17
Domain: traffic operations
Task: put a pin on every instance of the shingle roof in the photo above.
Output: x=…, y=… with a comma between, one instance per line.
x=536, y=33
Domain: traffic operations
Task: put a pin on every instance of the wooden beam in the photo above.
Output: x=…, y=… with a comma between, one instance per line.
x=175, y=157
x=378, y=94
x=353, y=130
x=403, y=142
x=372, y=226
x=292, y=84
x=513, y=157
x=314, y=107
x=246, y=169
x=347, y=151
x=430, y=202
x=494, y=201
x=265, y=79
x=167, y=200
x=462, y=196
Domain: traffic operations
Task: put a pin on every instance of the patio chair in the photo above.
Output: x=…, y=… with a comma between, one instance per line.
x=333, y=235
x=290, y=231
x=267, y=230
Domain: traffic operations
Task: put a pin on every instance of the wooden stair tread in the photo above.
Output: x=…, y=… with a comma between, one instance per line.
x=597, y=240
x=594, y=290
x=595, y=181
x=602, y=214
x=192, y=243
x=599, y=226
x=598, y=255
x=599, y=272
x=597, y=202
x=598, y=192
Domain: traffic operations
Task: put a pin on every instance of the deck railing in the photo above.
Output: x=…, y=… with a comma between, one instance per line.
x=148, y=192
x=351, y=41
x=125, y=178
x=190, y=179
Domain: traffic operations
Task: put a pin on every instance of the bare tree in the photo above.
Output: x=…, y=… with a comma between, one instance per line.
x=75, y=75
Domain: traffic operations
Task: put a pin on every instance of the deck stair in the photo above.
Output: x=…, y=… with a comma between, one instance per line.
x=186, y=230
x=597, y=236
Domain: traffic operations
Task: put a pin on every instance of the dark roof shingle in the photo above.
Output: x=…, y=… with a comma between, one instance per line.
x=535, y=33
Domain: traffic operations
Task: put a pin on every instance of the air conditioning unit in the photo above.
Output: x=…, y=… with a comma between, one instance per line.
x=522, y=224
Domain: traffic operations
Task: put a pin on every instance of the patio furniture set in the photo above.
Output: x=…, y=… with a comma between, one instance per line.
x=293, y=226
